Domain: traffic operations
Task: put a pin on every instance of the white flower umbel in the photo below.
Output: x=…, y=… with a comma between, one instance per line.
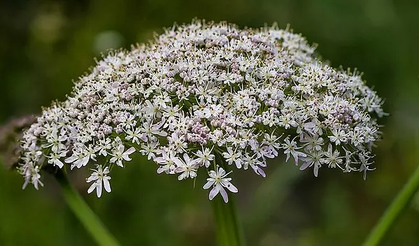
x=213, y=97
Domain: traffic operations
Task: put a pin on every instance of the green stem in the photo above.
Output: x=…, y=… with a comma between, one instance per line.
x=227, y=226
x=392, y=212
x=83, y=212
x=275, y=189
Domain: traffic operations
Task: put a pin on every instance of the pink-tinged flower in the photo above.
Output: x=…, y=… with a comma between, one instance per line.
x=100, y=180
x=313, y=159
x=218, y=181
x=167, y=161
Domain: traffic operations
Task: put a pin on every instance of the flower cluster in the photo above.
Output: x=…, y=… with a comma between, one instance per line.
x=210, y=97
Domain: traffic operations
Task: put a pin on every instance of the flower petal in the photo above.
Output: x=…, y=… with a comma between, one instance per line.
x=213, y=192
x=231, y=187
x=130, y=151
x=106, y=184
x=224, y=194
x=209, y=183
x=91, y=188
x=305, y=165
x=99, y=188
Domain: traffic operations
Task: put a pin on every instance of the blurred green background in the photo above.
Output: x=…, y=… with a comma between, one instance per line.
x=44, y=45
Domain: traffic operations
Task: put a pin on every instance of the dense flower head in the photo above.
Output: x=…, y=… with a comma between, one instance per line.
x=211, y=97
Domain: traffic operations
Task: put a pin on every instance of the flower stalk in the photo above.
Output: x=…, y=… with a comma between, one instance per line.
x=388, y=219
x=82, y=211
x=227, y=226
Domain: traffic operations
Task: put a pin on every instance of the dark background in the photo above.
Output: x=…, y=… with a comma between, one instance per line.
x=44, y=45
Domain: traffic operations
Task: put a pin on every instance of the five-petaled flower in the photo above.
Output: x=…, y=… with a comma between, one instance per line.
x=118, y=155
x=218, y=181
x=100, y=180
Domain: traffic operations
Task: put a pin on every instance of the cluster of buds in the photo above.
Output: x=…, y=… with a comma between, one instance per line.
x=208, y=97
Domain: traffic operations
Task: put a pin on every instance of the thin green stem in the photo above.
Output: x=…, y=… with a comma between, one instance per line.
x=227, y=226
x=83, y=212
x=392, y=212
x=274, y=189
